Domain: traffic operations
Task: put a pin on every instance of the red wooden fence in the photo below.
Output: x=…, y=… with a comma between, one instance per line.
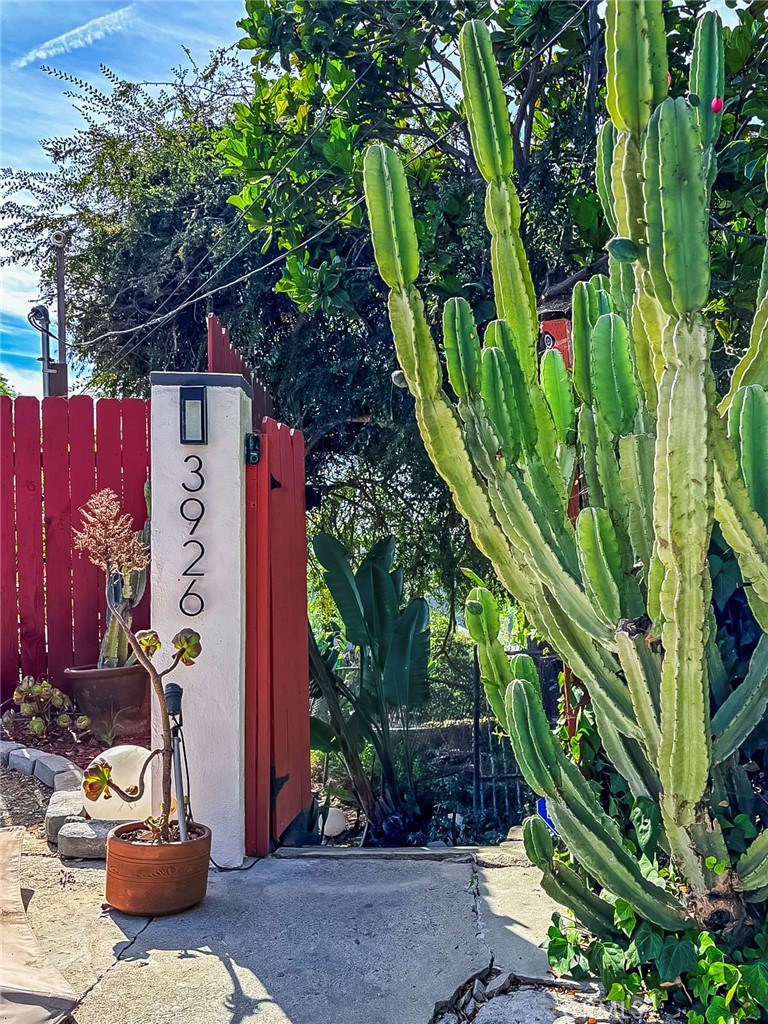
x=53, y=455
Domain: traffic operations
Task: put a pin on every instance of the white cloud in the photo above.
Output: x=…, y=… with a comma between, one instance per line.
x=23, y=382
x=83, y=35
x=19, y=290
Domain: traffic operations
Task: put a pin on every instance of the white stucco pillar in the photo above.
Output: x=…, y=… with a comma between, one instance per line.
x=198, y=581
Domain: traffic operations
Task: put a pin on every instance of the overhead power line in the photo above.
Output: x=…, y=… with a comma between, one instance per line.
x=156, y=322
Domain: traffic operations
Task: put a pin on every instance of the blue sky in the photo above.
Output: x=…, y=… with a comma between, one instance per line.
x=140, y=41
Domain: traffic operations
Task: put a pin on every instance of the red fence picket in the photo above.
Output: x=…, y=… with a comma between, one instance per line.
x=223, y=357
x=53, y=456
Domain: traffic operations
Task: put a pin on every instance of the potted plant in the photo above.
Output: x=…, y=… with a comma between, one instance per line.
x=114, y=693
x=150, y=871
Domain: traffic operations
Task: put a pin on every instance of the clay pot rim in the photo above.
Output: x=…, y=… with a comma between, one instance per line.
x=134, y=826
x=95, y=668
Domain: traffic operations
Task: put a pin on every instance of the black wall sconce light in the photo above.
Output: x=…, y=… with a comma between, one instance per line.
x=193, y=415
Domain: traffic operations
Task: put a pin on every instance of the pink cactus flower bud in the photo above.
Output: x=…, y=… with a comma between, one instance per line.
x=717, y=105
x=669, y=78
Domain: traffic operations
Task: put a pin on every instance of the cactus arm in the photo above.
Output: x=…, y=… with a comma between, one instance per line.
x=752, y=368
x=606, y=142
x=627, y=756
x=607, y=466
x=462, y=348
x=744, y=709
x=584, y=315
x=389, y=211
x=748, y=421
x=743, y=529
x=676, y=209
x=556, y=386
x=752, y=868
x=681, y=848
x=684, y=525
x=613, y=380
x=643, y=674
x=626, y=181
x=491, y=138
x=636, y=59
x=636, y=478
x=487, y=113
x=482, y=619
x=600, y=562
x=707, y=81
x=590, y=663
x=649, y=322
x=441, y=430
x=587, y=436
x=564, y=885
x=622, y=281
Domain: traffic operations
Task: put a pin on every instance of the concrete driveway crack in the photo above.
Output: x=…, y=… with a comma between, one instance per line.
x=120, y=956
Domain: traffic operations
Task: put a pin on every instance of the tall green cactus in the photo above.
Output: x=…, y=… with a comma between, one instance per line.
x=624, y=595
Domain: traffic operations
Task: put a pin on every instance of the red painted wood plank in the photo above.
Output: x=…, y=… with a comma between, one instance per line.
x=258, y=668
x=109, y=471
x=9, y=616
x=300, y=732
x=296, y=695
x=87, y=581
x=29, y=535
x=134, y=455
x=58, y=537
x=289, y=657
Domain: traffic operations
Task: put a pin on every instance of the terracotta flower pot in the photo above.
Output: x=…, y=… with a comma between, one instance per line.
x=148, y=879
x=117, y=700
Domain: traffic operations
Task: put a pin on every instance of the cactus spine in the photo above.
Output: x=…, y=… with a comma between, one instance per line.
x=625, y=596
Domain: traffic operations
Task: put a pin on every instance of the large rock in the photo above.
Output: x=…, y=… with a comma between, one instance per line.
x=6, y=748
x=83, y=839
x=23, y=760
x=62, y=806
x=48, y=766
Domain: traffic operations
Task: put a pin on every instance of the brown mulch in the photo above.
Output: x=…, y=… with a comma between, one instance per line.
x=80, y=752
x=23, y=800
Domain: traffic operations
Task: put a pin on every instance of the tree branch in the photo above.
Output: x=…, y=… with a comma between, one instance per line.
x=581, y=275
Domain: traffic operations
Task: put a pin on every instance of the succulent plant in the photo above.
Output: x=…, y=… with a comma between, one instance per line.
x=44, y=710
x=624, y=594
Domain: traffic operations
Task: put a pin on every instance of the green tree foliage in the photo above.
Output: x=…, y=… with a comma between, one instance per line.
x=139, y=192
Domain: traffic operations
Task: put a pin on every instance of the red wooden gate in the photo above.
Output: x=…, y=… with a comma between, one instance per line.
x=277, y=658
x=53, y=455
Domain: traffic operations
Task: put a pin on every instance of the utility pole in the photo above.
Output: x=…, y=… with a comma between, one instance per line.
x=58, y=378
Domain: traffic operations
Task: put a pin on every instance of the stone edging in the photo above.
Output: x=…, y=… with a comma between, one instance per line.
x=54, y=771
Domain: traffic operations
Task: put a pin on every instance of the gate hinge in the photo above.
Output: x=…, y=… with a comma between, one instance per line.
x=252, y=449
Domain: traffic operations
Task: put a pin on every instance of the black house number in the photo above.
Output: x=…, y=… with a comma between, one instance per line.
x=192, y=511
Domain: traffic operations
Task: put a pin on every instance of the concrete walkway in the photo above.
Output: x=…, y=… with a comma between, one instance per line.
x=354, y=941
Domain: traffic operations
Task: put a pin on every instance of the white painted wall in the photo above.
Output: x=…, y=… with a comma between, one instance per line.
x=213, y=703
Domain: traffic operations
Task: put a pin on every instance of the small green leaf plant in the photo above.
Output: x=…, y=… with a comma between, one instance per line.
x=44, y=711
